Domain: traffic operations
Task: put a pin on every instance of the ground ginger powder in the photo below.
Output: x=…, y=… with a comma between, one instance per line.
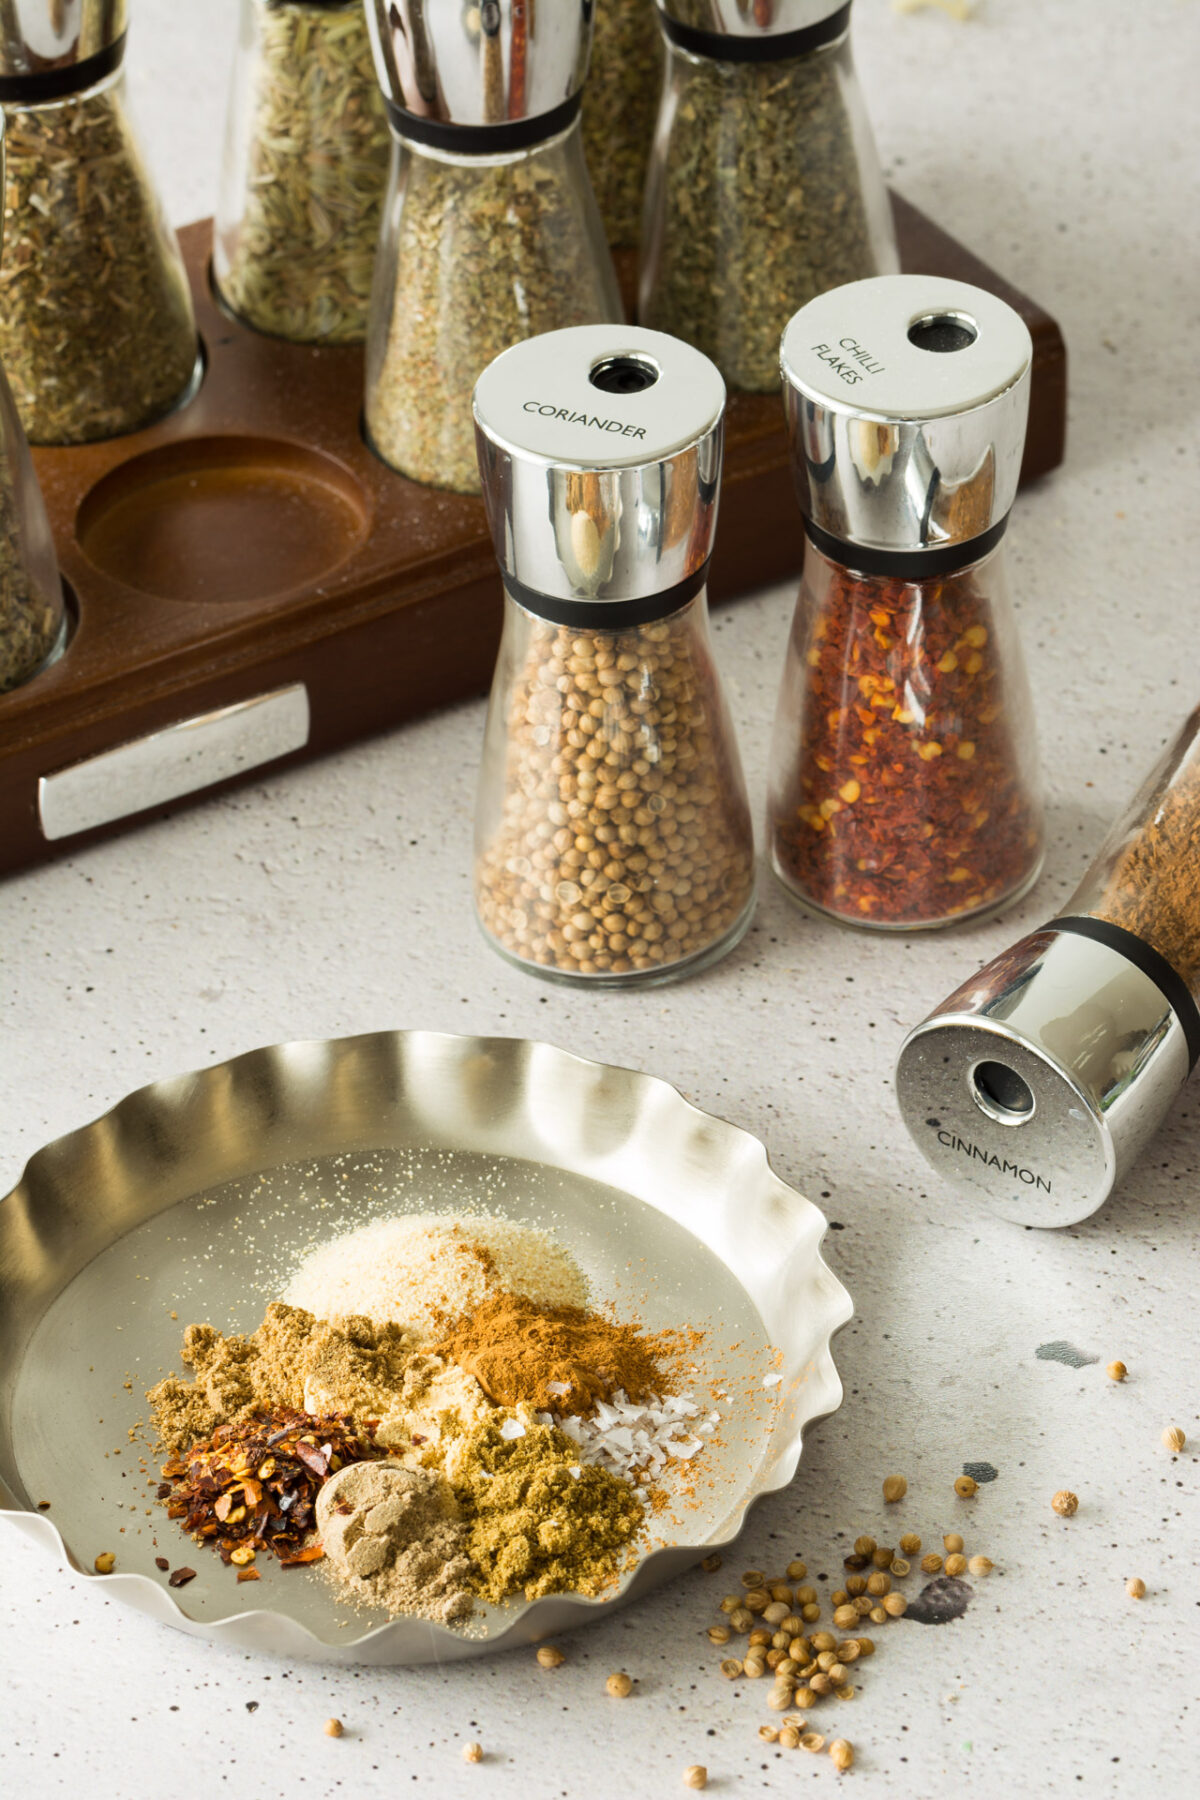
x=538, y=1520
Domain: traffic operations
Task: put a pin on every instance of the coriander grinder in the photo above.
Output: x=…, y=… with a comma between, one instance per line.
x=1039, y=1082
x=613, y=837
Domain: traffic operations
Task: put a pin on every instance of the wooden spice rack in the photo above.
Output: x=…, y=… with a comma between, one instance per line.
x=251, y=544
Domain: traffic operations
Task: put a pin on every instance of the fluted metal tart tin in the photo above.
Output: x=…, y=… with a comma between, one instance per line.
x=194, y=1197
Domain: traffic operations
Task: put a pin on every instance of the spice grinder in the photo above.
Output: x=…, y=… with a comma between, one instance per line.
x=1040, y=1080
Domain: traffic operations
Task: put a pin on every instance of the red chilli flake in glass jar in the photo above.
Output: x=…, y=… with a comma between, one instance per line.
x=904, y=785
x=905, y=792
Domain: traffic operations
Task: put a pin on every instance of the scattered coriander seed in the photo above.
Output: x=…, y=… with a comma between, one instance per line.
x=895, y=1606
x=956, y=1563
x=823, y=1640
x=472, y=1753
x=710, y=1564
x=759, y=1639
x=779, y=1590
x=768, y=1733
x=1174, y=1439
x=845, y=1617
x=841, y=1754
x=826, y=1661
x=775, y=1612
x=849, y=1651
x=1065, y=1503
x=774, y=1658
x=796, y=1571
x=894, y=1488
x=877, y=1616
x=854, y=1563
x=866, y=1646
x=910, y=1543
x=805, y=1596
x=856, y=1585
x=931, y=1563
x=863, y=1605
x=801, y=1649
x=731, y=1602
x=965, y=1486
x=781, y=1640
x=845, y=1692
x=334, y=1728
x=696, y=1776
x=753, y=1578
x=105, y=1563
x=882, y=1558
x=779, y=1699
x=789, y=1737
x=806, y=1698
x=981, y=1565
x=741, y=1618
x=839, y=1598
x=810, y=1613
x=788, y=1667
x=719, y=1634
x=900, y=1567
x=1135, y=1587
x=1116, y=1371
x=839, y=1674
x=820, y=1683
x=952, y=1541
x=879, y=1583
x=551, y=1657
x=755, y=1667
x=620, y=1685
x=756, y=1600
x=793, y=1625
x=812, y=1740
x=864, y=1546
x=731, y=1668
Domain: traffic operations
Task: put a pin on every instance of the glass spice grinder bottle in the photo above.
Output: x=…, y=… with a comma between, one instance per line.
x=1039, y=1081
x=33, y=621
x=304, y=173
x=613, y=837
x=97, y=331
x=491, y=232
x=764, y=186
x=904, y=788
x=620, y=106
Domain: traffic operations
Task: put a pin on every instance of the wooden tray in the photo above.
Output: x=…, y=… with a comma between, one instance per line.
x=251, y=546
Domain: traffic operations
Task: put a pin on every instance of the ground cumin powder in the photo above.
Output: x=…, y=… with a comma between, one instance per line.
x=559, y=1359
x=538, y=1520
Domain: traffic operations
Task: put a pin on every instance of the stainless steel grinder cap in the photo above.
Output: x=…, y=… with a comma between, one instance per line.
x=1039, y=1081
x=600, y=455
x=906, y=399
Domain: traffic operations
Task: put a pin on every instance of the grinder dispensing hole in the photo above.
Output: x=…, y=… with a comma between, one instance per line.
x=613, y=835
x=1040, y=1081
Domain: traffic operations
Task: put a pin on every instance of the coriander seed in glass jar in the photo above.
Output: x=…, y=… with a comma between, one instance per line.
x=613, y=837
x=305, y=168
x=764, y=186
x=97, y=332
x=904, y=777
x=491, y=232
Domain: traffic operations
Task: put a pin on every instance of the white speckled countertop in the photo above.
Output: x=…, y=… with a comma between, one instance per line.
x=1062, y=142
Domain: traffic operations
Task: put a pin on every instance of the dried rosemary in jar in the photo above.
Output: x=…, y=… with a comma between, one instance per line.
x=764, y=188
x=306, y=164
x=491, y=232
x=620, y=105
x=96, y=325
x=613, y=837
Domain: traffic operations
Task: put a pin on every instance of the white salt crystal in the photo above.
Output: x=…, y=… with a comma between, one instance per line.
x=512, y=1428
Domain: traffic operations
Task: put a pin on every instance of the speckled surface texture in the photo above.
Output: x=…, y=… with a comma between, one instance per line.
x=1062, y=143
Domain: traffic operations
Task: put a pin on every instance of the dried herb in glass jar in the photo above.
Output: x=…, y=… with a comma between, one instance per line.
x=764, y=188
x=97, y=332
x=620, y=106
x=306, y=166
x=31, y=605
x=904, y=788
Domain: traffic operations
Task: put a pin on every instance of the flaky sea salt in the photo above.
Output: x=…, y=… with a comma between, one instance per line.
x=512, y=1428
x=634, y=1440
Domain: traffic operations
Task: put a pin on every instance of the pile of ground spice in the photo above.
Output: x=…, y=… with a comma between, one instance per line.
x=559, y=1359
x=412, y=1269
x=356, y=1368
x=394, y=1537
x=538, y=1520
